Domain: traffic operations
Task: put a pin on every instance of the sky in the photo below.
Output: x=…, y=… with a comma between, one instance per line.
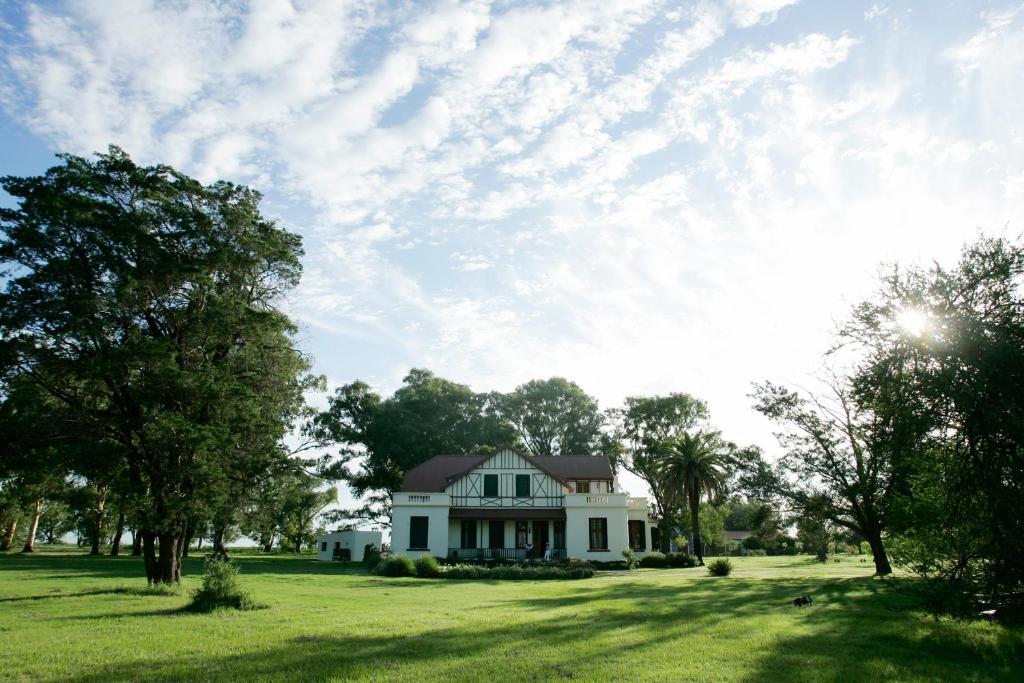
x=643, y=197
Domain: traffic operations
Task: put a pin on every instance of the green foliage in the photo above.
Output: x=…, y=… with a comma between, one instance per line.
x=694, y=467
x=630, y=557
x=720, y=567
x=396, y=565
x=371, y=557
x=220, y=587
x=680, y=560
x=948, y=395
x=551, y=417
x=467, y=571
x=144, y=304
x=427, y=567
x=653, y=561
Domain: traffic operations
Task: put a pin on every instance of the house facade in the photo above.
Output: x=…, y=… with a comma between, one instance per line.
x=510, y=506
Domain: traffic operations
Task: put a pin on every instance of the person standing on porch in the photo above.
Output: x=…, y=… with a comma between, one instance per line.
x=529, y=550
x=547, y=552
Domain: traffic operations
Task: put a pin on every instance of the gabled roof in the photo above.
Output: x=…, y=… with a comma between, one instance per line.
x=440, y=471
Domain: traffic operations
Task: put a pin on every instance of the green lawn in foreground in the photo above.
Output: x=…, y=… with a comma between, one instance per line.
x=61, y=618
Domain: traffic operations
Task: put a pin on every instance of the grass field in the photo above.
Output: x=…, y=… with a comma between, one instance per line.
x=71, y=618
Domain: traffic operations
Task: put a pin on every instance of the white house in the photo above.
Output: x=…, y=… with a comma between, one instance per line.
x=493, y=506
x=340, y=544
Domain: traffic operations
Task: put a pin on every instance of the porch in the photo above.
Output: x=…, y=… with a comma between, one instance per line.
x=512, y=554
x=505, y=533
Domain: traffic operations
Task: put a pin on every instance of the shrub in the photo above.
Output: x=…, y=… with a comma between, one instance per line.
x=220, y=587
x=653, y=561
x=467, y=571
x=577, y=563
x=720, y=567
x=630, y=557
x=757, y=553
x=752, y=543
x=427, y=567
x=371, y=557
x=396, y=565
x=680, y=561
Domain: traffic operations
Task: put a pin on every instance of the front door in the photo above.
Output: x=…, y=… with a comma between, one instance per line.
x=540, y=538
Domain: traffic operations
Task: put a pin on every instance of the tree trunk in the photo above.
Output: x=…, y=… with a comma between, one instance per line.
x=218, y=541
x=97, y=530
x=298, y=544
x=695, y=525
x=136, y=543
x=33, y=525
x=169, y=561
x=268, y=543
x=149, y=556
x=115, y=543
x=9, y=536
x=665, y=535
x=882, y=566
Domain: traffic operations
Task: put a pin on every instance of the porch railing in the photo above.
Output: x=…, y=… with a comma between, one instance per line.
x=501, y=554
x=508, y=502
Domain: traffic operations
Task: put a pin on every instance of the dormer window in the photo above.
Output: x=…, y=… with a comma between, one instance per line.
x=582, y=487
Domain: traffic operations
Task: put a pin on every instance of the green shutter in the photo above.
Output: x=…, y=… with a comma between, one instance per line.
x=418, y=533
x=522, y=486
x=491, y=485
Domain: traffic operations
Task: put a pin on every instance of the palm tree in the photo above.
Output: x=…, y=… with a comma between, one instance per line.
x=694, y=467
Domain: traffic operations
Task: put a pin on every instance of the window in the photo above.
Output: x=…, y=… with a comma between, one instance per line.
x=496, y=534
x=522, y=486
x=655, y=538
x=468, y=533
x=491, y=485
x=599, y=533
x=559, y=541
x=323, y=546
x=418, y=533
x=583, y=487
x=522, y=529
x=636, y=534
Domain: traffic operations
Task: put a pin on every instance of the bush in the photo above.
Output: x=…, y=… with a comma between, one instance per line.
x=757, y=553
x=680, y=561
x=427, y=567
x=720, y=567
x=371, y=557
x=396, y=565
x=577, y=563
x=630, y=557
x=653, y=561
x=220, y=587
x=471, y=571
x=752, y=543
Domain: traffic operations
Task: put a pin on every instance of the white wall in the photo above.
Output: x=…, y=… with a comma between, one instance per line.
x=433, y=506
x=579, y=508
x=355, y=541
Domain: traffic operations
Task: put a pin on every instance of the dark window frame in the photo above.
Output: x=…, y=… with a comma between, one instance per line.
x=637, y=529
x=523, y=484
x=598, y=527
x=522, y=533
x=414, y=532
x=583, y=486
x=488, y=479
x=492, y=525
x=468, y=532
x=558, y=535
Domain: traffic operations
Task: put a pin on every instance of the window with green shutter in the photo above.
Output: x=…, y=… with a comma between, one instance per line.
x=496, y=534
x=599, y=533
x=418, y=533
x=522, y=486
x=468, y=533
x=491, y=485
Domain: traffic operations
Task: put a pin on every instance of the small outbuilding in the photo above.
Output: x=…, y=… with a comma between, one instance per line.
x=347, y=545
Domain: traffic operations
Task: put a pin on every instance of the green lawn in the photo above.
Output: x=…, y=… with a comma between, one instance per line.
x=72, y=618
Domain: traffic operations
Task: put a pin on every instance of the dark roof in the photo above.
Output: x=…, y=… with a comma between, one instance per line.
x=506, y=513
x=737, y=535
x=436, y=473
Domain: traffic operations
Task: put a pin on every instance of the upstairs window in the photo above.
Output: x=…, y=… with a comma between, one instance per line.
x=418, y=533
x=491, y=485
x=583, y=487
x=522, y=486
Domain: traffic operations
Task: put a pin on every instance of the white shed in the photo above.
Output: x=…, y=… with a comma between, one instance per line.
x=334, y=546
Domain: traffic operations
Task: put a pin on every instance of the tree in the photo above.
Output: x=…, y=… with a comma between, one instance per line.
x=55, y=520
x=303, y=504
x=381, y=439
x=551, y=417
x=943, y=365
x=644, y=425
x=144, y=302
x=262, y=518
x=832, y=463
x=815, y=529
x=694, y=468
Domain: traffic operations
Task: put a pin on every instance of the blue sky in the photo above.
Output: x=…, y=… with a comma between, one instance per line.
x=643, y=197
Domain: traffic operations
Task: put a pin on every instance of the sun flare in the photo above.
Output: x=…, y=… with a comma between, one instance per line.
x=913, y=321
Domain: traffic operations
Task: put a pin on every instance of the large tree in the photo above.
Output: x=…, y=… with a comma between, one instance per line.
x=694, y=468
x=833, y=465
x=144, y=302
x=643, y=425
x=551, y=417
x=381, y=439
x=943, y=365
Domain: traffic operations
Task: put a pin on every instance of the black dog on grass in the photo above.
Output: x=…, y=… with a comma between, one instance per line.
x=802, y=601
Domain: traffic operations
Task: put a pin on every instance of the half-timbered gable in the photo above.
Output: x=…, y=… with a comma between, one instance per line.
x=506, y=479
